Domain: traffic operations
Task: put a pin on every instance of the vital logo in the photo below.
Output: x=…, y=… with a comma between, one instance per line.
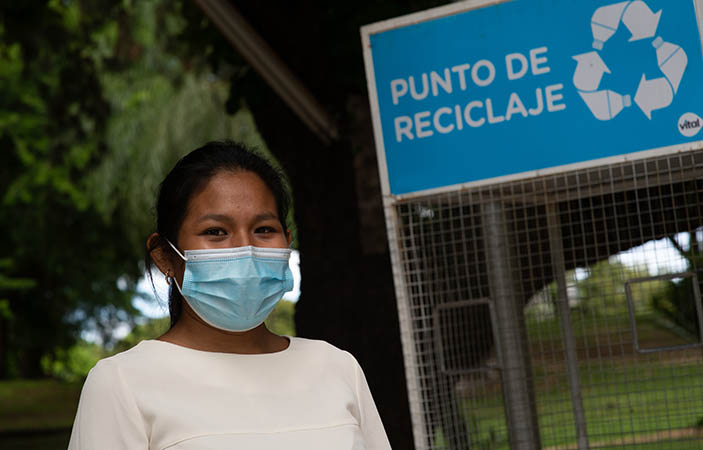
x=689, y=124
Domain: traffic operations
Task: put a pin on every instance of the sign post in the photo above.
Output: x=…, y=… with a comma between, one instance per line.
x=488, y=91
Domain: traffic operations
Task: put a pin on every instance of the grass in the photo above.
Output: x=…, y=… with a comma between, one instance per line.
x=630, y=399
x=37, y=405
x=627, y=401
x=37, y=414
x=57, y=440
x=646, y=403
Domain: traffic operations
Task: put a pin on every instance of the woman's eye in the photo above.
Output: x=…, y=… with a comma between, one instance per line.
x=266, y=230
x=214, y=232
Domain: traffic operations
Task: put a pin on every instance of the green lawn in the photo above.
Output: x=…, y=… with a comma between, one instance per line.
x=650, y=401
x=57, y=440
x=37, y=404
x=37, y=414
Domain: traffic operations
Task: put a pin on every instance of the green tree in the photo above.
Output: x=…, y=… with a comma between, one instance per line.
x=602, y=292
x=52, y=122
x=282, y=318
x=73, y=363
x=150, y=329
x=8, y=284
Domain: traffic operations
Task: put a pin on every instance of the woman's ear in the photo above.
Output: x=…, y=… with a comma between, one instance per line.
x=288, y=236
x=160, y=255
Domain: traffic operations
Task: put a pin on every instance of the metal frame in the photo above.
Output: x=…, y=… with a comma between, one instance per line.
x=270, y=66
x=405, y=322
x=663, y=151
x=696, y=300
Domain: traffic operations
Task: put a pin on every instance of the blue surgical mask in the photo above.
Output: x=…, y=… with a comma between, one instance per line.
x=235, y=289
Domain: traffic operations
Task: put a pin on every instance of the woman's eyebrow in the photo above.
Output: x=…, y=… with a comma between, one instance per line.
x=265, y=216
x=225, y=218
x=217, y=217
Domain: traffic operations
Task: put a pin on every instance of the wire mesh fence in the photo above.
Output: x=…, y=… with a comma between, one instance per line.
x=560, y=312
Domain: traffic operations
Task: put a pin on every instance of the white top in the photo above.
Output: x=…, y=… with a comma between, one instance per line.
x=159, y=395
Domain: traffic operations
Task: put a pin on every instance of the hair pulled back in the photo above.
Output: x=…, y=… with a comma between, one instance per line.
x=190, y=174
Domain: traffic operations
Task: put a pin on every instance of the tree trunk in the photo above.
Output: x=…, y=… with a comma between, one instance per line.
x=30, y=363
x=3, y=348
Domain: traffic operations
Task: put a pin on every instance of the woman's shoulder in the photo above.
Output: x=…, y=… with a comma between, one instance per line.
x=322, y=349
x=306, y=344
x=111, y=376
x=137, y=356
x=142, y=350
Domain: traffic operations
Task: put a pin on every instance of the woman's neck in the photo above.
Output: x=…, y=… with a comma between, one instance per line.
x=190, y=331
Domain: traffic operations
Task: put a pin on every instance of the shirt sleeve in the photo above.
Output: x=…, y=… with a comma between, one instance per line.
x=370, y=422
x=108, y=417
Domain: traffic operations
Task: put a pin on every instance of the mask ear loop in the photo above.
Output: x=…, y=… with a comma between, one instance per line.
x=173, y=279
x=176, y=250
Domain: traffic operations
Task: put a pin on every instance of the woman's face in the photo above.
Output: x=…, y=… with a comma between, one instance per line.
x=234, y=209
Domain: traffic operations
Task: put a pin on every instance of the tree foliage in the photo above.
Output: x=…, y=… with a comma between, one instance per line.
x=73, y=363
x=282, y=319
x=150, y=329
x=53, y=116
x=602, y=292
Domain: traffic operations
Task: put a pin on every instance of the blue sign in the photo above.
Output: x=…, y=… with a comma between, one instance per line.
x=533, y=84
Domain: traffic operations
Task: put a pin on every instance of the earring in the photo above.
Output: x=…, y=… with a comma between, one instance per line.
x=168, y=277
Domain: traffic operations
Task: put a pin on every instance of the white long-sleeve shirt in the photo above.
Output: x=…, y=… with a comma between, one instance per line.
x=159, y=395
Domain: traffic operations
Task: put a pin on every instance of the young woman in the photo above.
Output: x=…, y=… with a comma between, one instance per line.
x=219, y=379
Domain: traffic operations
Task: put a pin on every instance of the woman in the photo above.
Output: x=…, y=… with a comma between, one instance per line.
x=219, y=379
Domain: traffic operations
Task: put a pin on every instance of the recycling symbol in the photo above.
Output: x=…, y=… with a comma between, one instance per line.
x=657, y=93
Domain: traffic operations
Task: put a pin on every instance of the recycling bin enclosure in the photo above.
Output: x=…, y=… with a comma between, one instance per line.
x=528, y=151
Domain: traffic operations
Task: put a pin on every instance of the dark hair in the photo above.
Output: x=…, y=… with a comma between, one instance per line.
x=190, y=174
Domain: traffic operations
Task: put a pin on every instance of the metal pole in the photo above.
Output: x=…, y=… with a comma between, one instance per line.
x=567, y=329
x=422, y=434
x=517, y=376
x=268, y=64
